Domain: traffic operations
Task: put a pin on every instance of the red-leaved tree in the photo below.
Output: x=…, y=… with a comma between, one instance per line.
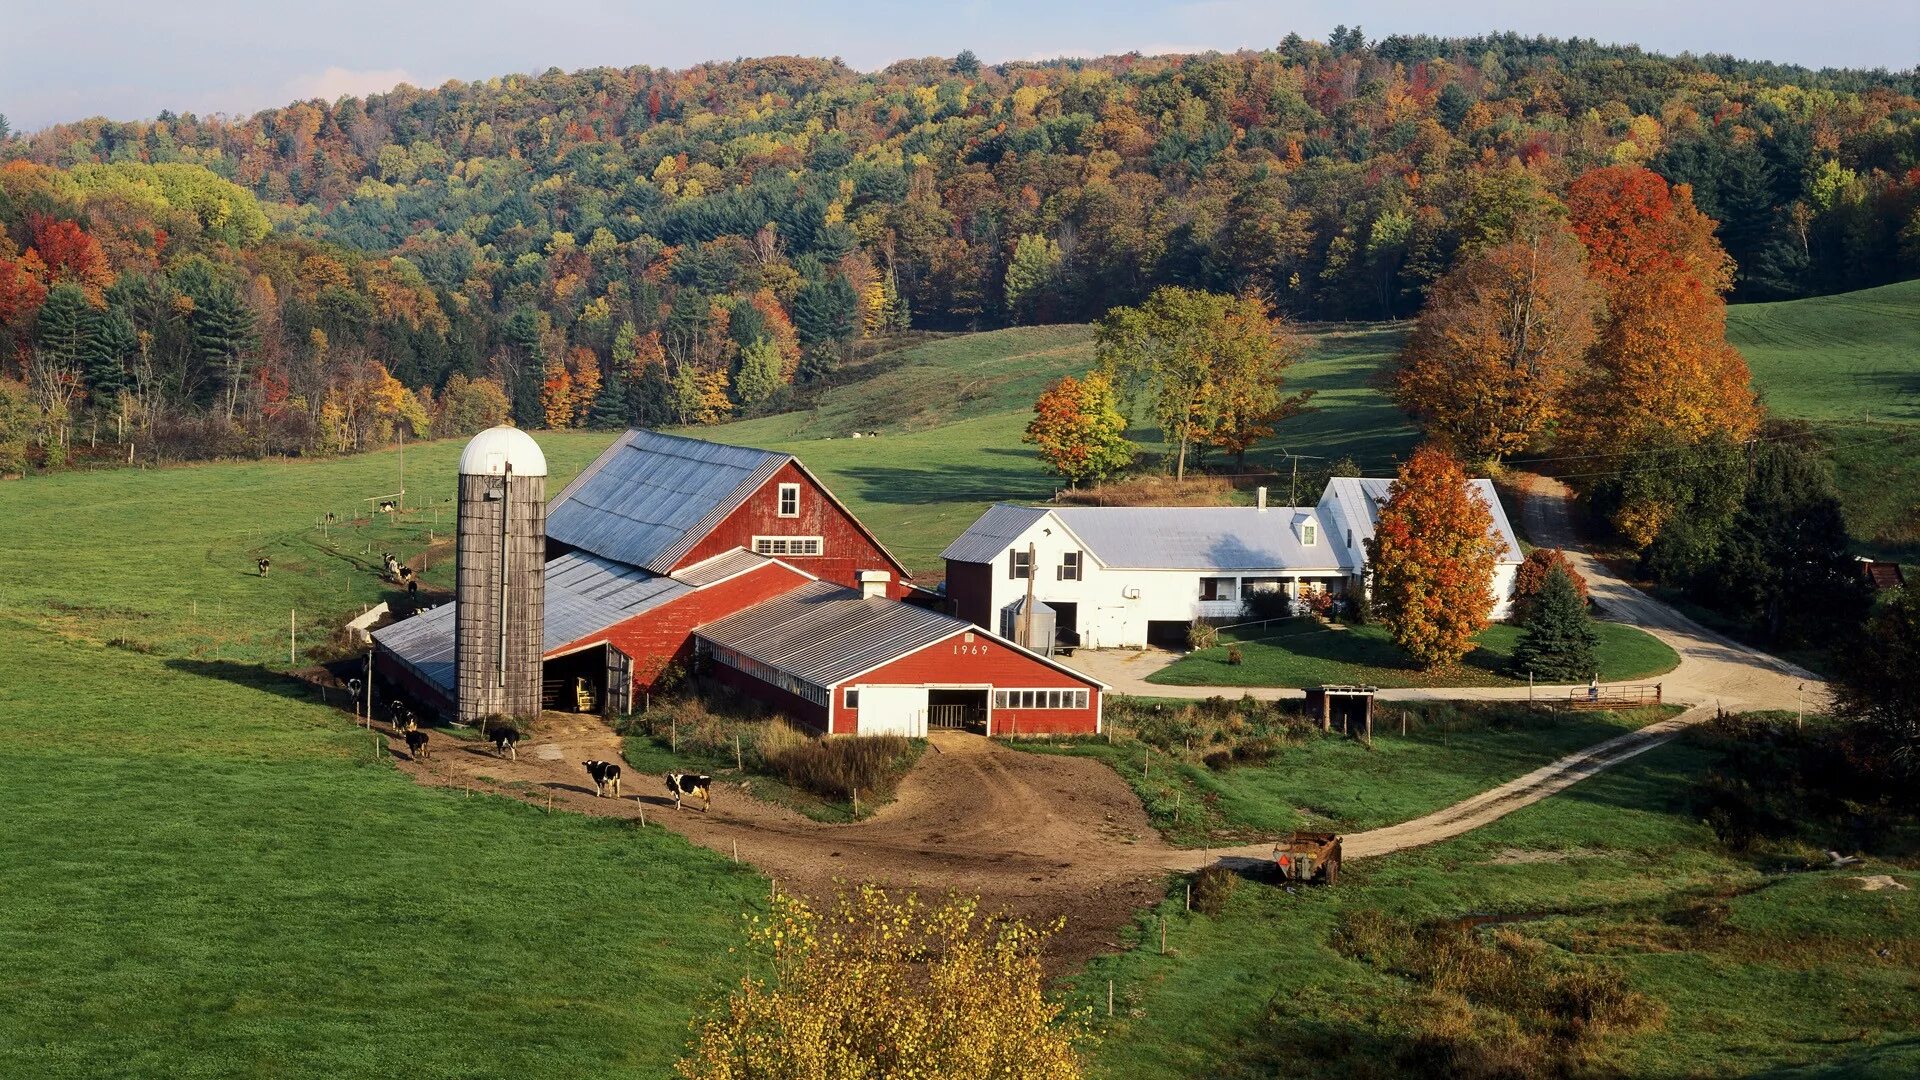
x=1433, y=555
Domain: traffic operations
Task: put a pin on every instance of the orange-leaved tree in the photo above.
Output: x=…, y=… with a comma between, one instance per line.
x=882, y=984
x=1502, y=334
x=1432, y=556
x=1536, y=568
x=1661, y=371
x=1079, y=429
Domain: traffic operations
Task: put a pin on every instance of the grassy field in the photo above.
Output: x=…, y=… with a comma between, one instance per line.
x=1850, y=364
x=1759, y=968
x=1303, y=652
x=207, y=872
x=1449, y=752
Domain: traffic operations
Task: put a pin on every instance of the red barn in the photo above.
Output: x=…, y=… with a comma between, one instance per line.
x=851, y=662
x=666, y=546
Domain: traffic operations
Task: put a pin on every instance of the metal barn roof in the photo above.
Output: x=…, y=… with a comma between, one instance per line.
x=423, y=643
x=993, y=533
x=651, y=497
x=1236, y=538
x=721, y=567
x=821, y=633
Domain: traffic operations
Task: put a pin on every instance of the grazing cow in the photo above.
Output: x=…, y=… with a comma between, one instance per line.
x=387, y=506
x=406, y=573
x=606, y=777
x=265, y=565
x=403, y=720
x=417, y=744
x=692, y=786
x=505, y=739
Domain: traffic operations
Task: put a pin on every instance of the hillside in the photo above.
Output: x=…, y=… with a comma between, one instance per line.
x=1850, y=364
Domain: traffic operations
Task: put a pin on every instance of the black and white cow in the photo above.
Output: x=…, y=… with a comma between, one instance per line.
x=691, y=786
x=417, y=744
x=606, y=777
x=505, y=740
x=264, y=565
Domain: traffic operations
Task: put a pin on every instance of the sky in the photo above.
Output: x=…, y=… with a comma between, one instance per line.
x=130, y=59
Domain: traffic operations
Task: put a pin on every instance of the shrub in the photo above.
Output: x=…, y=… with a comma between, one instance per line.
x=1268, y=604
x=881, y=984
x=1202, y=635
x=1212, y=887
x=837, y=768
x=1234, y=656
x=1153, y=491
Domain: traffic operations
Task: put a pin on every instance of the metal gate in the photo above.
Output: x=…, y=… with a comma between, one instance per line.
x=952, y=717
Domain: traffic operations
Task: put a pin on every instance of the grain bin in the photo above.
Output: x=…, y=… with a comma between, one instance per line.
x=499, y=632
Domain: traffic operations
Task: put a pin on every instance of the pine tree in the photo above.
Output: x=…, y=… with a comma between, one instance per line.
x=1559, y=642
x=609, y=411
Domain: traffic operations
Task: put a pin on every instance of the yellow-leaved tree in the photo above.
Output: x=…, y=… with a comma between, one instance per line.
x=884, y=984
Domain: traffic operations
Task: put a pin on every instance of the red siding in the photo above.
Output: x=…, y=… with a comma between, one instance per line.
x=794, y=706
x=663, y=635
x=846, y=549
x=970, y=589
x=983, y=660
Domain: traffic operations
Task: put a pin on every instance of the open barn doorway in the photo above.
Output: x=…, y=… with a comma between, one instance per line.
x=594, y=679
x=957, y=710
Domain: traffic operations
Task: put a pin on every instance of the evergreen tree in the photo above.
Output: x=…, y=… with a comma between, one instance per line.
x=825, y=312
x=1559, y=642
x=526, y=367
x=110, y=341
x=965, y=64
x=650, y=399
x=61, y=330
x=609, y=411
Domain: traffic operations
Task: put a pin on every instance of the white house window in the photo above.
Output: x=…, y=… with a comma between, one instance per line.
x=786, y=545
x=853, y=699
x=1019, y=563
x=1039, y=699
x=789, y=500
x=1070, y=566
x=1216, y=588
x=1309, y=535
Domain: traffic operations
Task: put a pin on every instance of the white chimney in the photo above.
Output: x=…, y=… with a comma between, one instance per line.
x=1260, y=498
x=873, y=584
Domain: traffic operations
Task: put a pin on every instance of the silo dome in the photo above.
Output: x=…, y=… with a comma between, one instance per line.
x=494, y=449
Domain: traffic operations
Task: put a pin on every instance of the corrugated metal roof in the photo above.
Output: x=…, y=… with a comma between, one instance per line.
x=720, y=567
x=585, y=594
x=1353, y=502
x=821, y=633
x=651, y=497
x=988, y=537
x=1236, y=538
x=424, y=643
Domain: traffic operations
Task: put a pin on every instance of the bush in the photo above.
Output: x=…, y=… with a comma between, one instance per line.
x=1234, y=656
x=1216, y=732
x=881, y=984
x=1153, y=491
x=1202, y=635
x=837, y=768
x=1268, y=604
x=1212, y=887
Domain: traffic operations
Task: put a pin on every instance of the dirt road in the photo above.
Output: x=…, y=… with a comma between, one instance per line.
x=1038, y=834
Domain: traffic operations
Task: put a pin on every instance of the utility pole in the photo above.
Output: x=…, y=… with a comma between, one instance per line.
x=1293, y=486
x=1026, y=610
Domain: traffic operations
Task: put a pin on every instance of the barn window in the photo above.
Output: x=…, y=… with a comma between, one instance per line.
x=789, y=500
x=999, y=699
x=1070, y=566
x=1019, y=563
x=786, y=545
x=1039, y=699
x=853, y=699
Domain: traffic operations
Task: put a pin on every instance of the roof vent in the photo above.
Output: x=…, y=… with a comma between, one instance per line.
x=873, y=584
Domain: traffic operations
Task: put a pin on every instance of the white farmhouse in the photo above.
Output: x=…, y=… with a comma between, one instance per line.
x=1117, y=576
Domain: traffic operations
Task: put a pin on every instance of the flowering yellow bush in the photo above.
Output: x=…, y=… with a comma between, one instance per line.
x=884, y=985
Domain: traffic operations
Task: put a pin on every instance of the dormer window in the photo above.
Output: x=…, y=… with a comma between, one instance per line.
x=1309, y=535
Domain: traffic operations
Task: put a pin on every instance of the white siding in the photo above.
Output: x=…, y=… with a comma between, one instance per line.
x=893, y=710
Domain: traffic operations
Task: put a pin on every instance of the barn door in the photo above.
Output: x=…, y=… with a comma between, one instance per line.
x=619, y=682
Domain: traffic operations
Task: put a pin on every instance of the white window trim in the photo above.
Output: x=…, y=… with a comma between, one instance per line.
x=780, y=504
x=763, y=545
x=1309, y=535
x=1069, y=698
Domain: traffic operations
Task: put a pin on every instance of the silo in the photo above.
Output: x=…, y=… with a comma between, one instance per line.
x=499, y=625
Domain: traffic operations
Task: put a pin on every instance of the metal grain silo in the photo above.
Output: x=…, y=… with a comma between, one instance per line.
x=499, y=631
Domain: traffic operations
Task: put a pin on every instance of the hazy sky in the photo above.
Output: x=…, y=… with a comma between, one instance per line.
x=125, y=59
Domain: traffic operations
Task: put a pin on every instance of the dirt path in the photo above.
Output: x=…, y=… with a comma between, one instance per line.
x=1041, y=835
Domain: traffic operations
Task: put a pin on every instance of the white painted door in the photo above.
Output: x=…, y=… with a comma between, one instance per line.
x=893, y=710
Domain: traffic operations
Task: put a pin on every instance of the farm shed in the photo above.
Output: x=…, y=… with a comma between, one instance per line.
x=853, y=663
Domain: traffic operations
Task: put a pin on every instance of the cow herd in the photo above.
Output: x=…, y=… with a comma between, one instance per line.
x=604, y=774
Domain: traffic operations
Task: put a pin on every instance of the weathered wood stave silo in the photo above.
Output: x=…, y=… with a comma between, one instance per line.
x=501, y=549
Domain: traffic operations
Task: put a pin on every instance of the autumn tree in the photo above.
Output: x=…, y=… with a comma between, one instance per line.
x=1661, y=371
x=16, y=425
x=1503, y=333
x=469, y=406
x=1035, y=262
x=1211, y=365
x=880, y=984
x=556, y=394
x=1531, y=577
x=1078, y=426
x=759, y=374
x=1432, y=555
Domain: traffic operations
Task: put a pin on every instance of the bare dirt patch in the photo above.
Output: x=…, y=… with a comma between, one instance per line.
x=1041, y=835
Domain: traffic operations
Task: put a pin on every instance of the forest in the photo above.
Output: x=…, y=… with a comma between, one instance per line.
x=649, y=246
